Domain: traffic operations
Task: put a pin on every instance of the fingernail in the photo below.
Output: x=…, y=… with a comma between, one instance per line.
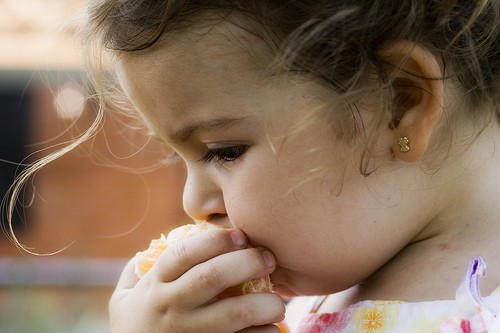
x=238, y=238
x=268, y=258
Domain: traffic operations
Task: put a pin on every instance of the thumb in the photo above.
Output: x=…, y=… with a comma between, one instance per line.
x=128, y=278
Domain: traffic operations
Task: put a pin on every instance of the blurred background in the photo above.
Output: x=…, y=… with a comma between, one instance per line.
x=96, y=206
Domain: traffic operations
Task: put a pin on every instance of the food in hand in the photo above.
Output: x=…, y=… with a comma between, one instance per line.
x=283, y=328
x=145, y=260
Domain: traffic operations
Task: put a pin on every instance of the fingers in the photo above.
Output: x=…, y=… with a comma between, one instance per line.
x=257, y=311
x=250, y=312
x=261, y=329
x=128, y=278
x=183, y=255
x=180, y=290
x=205, y=281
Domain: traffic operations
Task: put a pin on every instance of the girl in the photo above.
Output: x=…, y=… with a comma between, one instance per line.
x=352, y=143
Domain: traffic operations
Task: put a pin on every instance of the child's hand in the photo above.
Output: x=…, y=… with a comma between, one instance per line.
x=179, y=293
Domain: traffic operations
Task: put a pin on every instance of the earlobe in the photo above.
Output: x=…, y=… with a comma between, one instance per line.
x=418, y=98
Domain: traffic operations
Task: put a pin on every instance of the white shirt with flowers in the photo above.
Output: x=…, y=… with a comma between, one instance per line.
x=468, y=313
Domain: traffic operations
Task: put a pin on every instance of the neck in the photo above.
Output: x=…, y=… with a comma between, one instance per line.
x=466, y=224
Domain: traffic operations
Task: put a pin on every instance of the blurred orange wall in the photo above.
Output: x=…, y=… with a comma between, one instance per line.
x=105, y=211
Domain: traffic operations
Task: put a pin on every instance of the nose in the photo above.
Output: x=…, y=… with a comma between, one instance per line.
x=202, y=197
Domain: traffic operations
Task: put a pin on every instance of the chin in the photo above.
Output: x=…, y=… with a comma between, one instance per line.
x=284, y=291
x=288, y=285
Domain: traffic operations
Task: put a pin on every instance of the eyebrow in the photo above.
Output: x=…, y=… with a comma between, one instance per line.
x=183, y=134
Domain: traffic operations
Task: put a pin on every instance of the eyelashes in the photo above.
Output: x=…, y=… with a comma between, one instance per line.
x=218, y=155
x=224, y=154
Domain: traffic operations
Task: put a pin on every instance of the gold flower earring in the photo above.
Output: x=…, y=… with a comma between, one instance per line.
x=404, y=144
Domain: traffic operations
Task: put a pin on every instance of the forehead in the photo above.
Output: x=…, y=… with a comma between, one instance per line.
x=185, y=68
x=207, y=48
x=213, y=73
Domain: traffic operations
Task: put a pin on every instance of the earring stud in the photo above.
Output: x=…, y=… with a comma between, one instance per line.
x=404, y=144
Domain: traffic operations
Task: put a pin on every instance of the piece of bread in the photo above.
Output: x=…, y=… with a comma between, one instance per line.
x=144, y=260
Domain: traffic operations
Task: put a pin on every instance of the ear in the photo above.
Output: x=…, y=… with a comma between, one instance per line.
x=418, y=97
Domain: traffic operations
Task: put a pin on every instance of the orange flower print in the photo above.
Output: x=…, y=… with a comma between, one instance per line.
x=376, y=318
x=373, y=321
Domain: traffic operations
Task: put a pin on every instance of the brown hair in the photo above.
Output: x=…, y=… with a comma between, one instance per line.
x=334, y=41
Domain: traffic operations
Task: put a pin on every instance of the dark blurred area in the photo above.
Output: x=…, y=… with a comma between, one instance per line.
x=14, y=106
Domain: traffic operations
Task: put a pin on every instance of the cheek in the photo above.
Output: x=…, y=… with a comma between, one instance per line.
x=270, y=202
x=259, y=211
x=256, y=215
x=278, y=217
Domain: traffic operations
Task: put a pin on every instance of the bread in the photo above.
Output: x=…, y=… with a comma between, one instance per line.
x=144, y=260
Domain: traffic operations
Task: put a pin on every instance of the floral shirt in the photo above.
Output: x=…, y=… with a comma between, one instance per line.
x=468, y=313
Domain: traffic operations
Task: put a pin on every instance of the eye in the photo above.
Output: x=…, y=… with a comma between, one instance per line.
x=224, y=154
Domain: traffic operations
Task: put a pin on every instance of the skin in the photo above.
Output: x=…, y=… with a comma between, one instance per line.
x=318, y=225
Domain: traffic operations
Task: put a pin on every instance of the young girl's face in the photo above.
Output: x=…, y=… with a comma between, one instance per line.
x=295, y=190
